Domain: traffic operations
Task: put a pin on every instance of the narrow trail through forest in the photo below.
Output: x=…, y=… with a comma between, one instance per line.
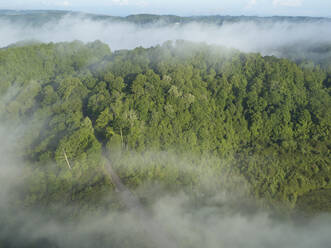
x=153, y=230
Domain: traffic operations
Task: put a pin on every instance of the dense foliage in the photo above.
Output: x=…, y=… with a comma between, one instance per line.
x=265, y=119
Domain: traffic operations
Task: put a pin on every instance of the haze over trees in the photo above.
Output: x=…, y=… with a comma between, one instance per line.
x=305, y=36
x=219, y=147
x=268, y=118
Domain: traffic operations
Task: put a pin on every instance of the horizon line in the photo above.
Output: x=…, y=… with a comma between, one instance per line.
x=148, y=13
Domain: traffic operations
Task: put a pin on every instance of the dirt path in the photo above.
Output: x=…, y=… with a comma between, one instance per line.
x=154, y=231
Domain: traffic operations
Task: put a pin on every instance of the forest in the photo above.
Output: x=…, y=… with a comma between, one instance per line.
x=181, y=116
x=267, y=117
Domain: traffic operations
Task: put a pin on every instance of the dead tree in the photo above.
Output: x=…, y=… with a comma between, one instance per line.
x=66, y=158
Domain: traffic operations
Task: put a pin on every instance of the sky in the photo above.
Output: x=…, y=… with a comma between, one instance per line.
x=181, y=7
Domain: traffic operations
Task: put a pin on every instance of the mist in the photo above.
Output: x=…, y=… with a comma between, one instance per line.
x=220, y=220
x=265, y=37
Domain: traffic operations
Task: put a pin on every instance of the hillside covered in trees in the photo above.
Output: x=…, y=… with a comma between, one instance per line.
x=40, y=17
x=248, y=121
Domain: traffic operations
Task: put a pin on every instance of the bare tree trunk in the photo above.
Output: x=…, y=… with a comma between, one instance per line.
x=66, y=158
x=121, y=138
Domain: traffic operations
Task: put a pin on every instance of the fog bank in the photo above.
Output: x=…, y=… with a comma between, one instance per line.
x=245, y=36
x=213, y=223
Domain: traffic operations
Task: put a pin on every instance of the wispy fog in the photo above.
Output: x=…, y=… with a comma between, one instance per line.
x=185, y=227
x=246, y=36
x=218, y=220
x=211, y=223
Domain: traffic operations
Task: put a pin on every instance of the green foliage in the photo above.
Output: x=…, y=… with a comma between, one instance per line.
x=268, y=118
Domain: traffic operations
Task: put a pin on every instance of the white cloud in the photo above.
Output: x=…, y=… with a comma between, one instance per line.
x=251, y=3
x=56, y=3
x=245, y=36
x=120, y=2
x=288, y=3
x=65, y=3
x=142, y=3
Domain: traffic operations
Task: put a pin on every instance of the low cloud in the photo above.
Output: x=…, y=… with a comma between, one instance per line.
x=170, y=220
x=219, y=220
x=247, y=36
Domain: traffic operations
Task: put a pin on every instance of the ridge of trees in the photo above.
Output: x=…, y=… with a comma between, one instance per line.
x=268, y=118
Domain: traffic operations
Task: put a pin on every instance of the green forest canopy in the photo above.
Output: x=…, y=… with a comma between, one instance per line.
x=268, y=118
